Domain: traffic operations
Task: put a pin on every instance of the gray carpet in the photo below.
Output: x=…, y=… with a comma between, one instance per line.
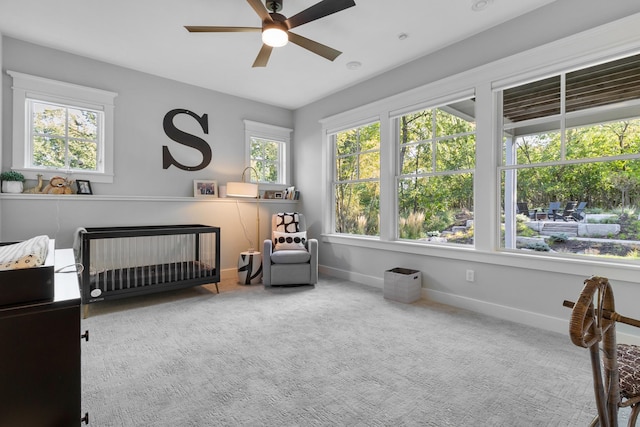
x=337, y=354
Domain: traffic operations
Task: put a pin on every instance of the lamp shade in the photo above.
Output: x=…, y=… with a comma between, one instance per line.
x=242, y=189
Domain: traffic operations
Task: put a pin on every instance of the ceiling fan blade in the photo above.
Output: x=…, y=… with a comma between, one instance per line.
x=263, y=56
x=319, y=10
x=209, y=29
x=313, y=46
x=260, y=9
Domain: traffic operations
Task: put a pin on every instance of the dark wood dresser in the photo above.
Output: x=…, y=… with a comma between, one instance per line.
x=40, y=383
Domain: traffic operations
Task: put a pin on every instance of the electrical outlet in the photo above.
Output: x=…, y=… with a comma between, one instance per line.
x=470, y=275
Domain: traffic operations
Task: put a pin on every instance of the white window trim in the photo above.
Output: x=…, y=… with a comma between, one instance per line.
x=606, y=42
x=28, y=86
x=275, y=133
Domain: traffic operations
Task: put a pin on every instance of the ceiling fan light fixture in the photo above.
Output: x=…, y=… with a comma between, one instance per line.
x=274, y=36
x=275, y=27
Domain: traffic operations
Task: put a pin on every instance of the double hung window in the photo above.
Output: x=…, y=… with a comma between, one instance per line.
x=64, y=137
x=266, y=158
x=435, y=180
x=430, y=187
x=356, y=181
x=268, y=148
x=62, y=128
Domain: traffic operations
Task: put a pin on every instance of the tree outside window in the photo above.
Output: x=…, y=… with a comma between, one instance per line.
x=61, y=128
x=63, y=137
x=573, y=138
x=265, y=159
x=267, y=151
x=357, y=180
x=435, y=179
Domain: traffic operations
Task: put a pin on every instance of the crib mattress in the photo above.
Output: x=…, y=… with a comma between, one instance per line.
x=133, y=277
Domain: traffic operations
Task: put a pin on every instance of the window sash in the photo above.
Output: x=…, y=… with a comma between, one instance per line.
x=425, y=163
x=357, y=219
x=28, y=87
x=264, y=159
x=33, y=134
x=256, y=131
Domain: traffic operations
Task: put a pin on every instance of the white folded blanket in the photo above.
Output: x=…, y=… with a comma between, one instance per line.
x=27, y=254
x=77, y=243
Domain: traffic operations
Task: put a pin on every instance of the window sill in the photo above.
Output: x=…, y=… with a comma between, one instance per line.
x=582, y=267
x=32, y=174
x=93, y=197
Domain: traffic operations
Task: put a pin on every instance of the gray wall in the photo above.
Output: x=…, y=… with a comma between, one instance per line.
x=141, y=104
x=525, y=291
x=530, y=290
x=142, y=192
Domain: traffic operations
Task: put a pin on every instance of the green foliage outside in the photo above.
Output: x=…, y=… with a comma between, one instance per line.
x=521, y=227
x=604, y=185
x=610, y=187
x=435, y=187
x=538, y=246
x=64, y=137
x=558, y=238
x=357, y=192
x=437, y=149
x=265, y=158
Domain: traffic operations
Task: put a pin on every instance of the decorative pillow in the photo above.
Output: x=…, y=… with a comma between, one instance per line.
x=288, y=222
x=289, y=240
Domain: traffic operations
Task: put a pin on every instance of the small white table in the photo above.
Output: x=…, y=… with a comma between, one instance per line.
x=249, y=268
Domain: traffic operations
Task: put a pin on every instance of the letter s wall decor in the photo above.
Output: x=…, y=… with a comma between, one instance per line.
x=187, y=139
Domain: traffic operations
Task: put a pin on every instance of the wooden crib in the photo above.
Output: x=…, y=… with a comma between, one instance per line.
x=120, y=262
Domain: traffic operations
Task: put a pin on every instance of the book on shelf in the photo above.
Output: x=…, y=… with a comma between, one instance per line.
x=289, y=193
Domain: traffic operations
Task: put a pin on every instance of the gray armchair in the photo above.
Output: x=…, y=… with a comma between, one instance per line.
x=289, y=257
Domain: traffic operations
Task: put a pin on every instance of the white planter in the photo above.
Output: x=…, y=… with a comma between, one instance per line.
x=12, y=187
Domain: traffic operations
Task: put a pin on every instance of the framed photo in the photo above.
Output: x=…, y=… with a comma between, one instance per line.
x=83, y=187
x=205, y=188
x=277, y=195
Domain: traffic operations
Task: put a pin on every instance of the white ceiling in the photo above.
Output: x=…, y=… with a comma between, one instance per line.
x=148, y=35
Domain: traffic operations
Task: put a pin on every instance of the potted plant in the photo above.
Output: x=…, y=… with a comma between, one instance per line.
x=12, y=182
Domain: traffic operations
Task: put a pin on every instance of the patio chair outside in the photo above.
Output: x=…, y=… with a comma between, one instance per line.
x=523, y=209
x=566, y=214
x=579, y=214
x=554, y=207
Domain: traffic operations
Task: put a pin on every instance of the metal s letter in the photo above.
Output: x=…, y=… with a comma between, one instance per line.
x=187, y=139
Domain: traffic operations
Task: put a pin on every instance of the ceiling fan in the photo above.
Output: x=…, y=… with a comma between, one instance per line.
x=275, y=27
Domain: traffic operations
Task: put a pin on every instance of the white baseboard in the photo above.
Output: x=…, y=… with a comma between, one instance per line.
x=537, y=320
x=621, y=337
x=229, y=273
x=500, y=311
x=376, y=282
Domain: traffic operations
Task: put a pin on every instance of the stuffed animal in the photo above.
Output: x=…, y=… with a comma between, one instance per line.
x=58, y=185
x=37, y=189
